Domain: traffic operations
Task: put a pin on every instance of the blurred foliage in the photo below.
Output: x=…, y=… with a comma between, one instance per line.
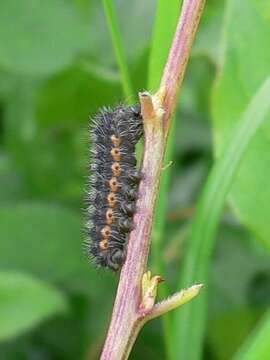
x=57, y=67
x=246, y=65
x=190, y=322
x=28, y=300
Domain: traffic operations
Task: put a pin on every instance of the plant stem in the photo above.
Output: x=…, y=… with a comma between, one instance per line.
x=128, y=316
x=125, y=318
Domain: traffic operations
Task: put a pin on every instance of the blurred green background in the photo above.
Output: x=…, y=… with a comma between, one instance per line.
x=57, y=67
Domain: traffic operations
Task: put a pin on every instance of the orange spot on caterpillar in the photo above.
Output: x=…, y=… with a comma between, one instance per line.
x=106, y=232
x=115, y=152
x=115, y=140
x=111, y=199
x=103, y=244
x=113, y=184
x=116, y=169
x=109, y=216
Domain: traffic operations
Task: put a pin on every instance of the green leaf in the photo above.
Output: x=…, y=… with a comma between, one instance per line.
x=136, y=36
x=20, y=105
x=164, y=27
x=72, y=95
x=229, y=329
x=118, y=48
x=235, y=297
x=40, y=37
x=25, y=302
x=50, y=116
x=246, y=64
x=189, y=322
x=246, y=287
x=210, y=30
x=46, y=240
x=257, y=345
x=7, y=83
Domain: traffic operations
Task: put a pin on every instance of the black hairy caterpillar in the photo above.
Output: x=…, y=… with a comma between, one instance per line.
x=113, y=184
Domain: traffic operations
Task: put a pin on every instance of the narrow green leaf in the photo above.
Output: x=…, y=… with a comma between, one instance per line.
x=189, y=321
x=25, y=302
x=257, y=346
x=118, y=49
x=165, y=22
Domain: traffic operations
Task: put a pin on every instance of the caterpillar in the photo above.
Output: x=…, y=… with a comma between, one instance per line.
x=113, y=184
